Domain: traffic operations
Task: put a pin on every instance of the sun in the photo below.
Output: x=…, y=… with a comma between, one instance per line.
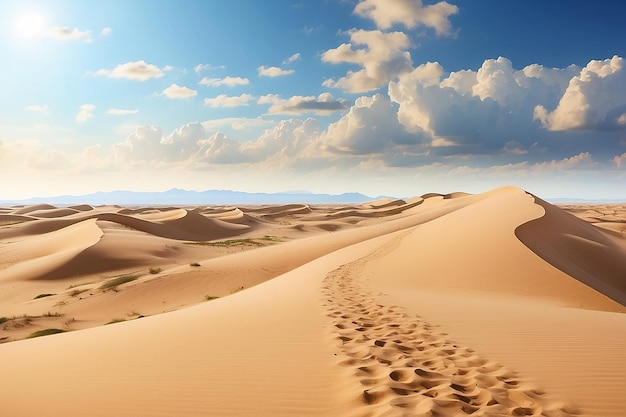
x=29, y=24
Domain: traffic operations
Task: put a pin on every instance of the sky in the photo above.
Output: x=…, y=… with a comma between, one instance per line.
x=382, y=97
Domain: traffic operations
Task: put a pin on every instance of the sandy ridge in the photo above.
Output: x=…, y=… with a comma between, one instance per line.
x=406, y=367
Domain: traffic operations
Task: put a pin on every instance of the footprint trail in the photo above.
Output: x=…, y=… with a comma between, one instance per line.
x=407, y=367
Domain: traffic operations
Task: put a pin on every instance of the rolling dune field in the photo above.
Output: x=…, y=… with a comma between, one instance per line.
x=494, y=304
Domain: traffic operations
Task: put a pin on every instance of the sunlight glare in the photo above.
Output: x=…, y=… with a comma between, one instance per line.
x=29, y=24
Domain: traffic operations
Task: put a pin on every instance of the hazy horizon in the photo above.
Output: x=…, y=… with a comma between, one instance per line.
x=363, y=96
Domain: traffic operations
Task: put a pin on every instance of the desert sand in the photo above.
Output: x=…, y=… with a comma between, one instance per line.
x=494, y=304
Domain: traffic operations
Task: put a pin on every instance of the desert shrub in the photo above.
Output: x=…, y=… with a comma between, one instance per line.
x=210, y=297
x=194, y=264
x=115, y=282
x=44, y=332
x=75, y=292
x=155, y=270
x=253, y=241
x=43, y=295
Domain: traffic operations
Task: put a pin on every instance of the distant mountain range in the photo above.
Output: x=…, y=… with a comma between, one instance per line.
x=177, y=196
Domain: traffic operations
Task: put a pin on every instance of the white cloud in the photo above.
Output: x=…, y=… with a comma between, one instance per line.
x=191, y=145
x=583, y=159
x=85, y=113
x=371, y=126
x=106, y=31
x=595, y=99
x=227, y=81
x=144, y=144
x=323, y=104
x=479, y=110
x=382, y=58
x=168, y=68
x=228, y=101
x=273, y=71
x=37, y=108
x=67, y=33
x=122, y=112
x=137, y=71
x=292, y=58
x=410, y=13
x=178, y=92
x=620, y=160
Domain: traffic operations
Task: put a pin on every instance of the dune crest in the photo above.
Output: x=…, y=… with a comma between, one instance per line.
x=579, y=249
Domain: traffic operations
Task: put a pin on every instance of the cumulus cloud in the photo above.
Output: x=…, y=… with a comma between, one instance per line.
x=410, y=13
x=594, y=100
x=382, y=56
x=227, y=81
x=122, y=112
x=85, y=113
x=66, y=33
x=228, y=101
x=620, y=160
x=37, y=108
x=106, y=31
x=323, y=104
x=137, y=71
x=478, y=111
x=193, y=145
x=371, y=126
x=177, y=92
x=273, y=71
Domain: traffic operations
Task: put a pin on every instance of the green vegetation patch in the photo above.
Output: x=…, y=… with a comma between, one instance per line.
x=44, y=332
x=115, y=282
x=43, y=295
x=75, y=292
x=210, y=297
x=155, y=270
x=253, y=241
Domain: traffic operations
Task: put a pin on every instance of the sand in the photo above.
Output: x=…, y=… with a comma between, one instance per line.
x=492, y=304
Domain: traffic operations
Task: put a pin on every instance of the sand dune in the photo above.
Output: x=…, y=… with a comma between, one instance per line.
x=492, y=304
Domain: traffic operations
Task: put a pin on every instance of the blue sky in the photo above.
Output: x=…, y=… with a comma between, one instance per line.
x=396, y=97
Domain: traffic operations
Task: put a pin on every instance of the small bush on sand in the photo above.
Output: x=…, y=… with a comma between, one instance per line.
x=194, y=264
x=75, y=292
x=210, y=297
x=43, y=295
x=115, y=282
x=116, y=321
x=44, y=332
x=155, y=270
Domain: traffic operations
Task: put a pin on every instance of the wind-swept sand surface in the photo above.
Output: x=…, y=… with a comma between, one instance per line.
x=496, y=304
